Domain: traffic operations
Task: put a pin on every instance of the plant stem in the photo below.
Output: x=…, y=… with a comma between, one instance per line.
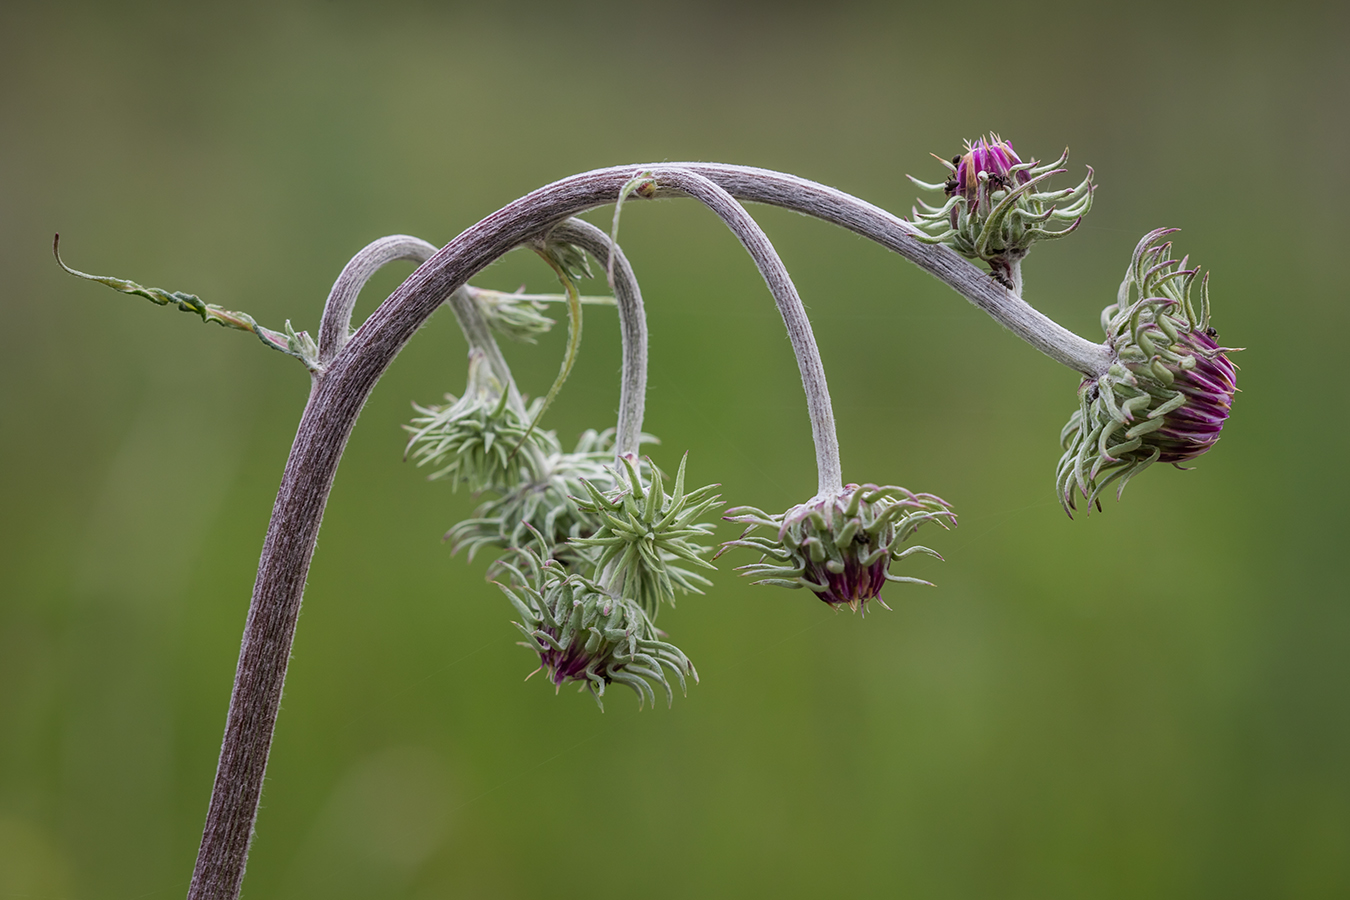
x=341, y=388
x=632, y=328
x=829, y=472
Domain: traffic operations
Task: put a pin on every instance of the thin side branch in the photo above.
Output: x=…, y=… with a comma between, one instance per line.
x=829, y=472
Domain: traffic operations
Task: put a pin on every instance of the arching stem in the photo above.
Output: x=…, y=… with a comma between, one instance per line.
x=829, y=473
x=632, y=327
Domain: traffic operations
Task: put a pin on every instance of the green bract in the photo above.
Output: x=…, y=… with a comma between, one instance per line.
x=584, y=634
x=643, y=534
x=477, y=438
x=1169, y=388
x=841, y=547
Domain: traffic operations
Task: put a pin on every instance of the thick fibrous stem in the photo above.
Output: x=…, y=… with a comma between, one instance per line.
x=632, y=328
x=340, y=390
x=829, y=473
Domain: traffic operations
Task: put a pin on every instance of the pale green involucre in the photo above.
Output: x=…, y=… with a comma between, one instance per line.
x=513, y=316
x=473, y=440
x=645, y=534
x=586, y=635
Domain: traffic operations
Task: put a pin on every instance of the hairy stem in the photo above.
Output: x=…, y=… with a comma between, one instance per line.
x=340, y=390
x=632, y=327
x=829, y=473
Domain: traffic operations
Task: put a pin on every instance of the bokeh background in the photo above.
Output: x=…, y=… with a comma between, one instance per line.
x=1153, y=701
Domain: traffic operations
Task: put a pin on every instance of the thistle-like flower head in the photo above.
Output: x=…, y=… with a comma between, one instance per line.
x=840, y=546
x=587, y=635
x=646, y=533
x=1169, y=388
x=476, y=439
x=996, y=207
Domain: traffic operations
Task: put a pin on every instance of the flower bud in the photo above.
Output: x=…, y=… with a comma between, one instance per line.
x=542, y=510
x=583, y=634
x=841, y=546
x=1169, y=388
x=476, y=439
x=645, y=534
x=994, y=211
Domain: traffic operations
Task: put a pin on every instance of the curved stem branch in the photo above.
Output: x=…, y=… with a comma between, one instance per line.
x=829, y=473
x=632, y=328
x=336, y=325
x=892, y=232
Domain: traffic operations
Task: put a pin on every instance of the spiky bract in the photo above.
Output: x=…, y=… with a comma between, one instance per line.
x=645, y=533
x=474, y=439
x=1169, y=388
x=840, y=546
x=586, y=635
x=995, y=210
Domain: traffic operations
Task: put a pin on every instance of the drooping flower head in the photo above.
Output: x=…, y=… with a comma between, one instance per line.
x=477, y=438
x=1169, y=388
x=840, y=546
x=995, y=209
x=583, y=634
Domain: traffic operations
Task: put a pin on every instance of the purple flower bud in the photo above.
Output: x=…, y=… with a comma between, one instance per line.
x=997, y=206
x=585, y=635
x=841, y=546
x=985, y=167
x=1168, y=391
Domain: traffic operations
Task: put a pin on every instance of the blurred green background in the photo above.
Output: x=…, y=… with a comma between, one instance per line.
x=1154, y=701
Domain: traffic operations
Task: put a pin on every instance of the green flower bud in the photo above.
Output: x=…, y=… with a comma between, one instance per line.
x=474, y=439
x=1169, y=388
x=842, y=546
x=644, y=533
x=542, y=510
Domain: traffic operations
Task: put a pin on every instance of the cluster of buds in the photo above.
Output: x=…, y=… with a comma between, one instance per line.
x=1169, y=388
x=995, y=209
x=567, y=514
x=583, y=633
x=645, y=534
x=841, y=546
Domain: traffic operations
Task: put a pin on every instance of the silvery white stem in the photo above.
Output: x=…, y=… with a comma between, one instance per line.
x=335, y=326
x=829, y=472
